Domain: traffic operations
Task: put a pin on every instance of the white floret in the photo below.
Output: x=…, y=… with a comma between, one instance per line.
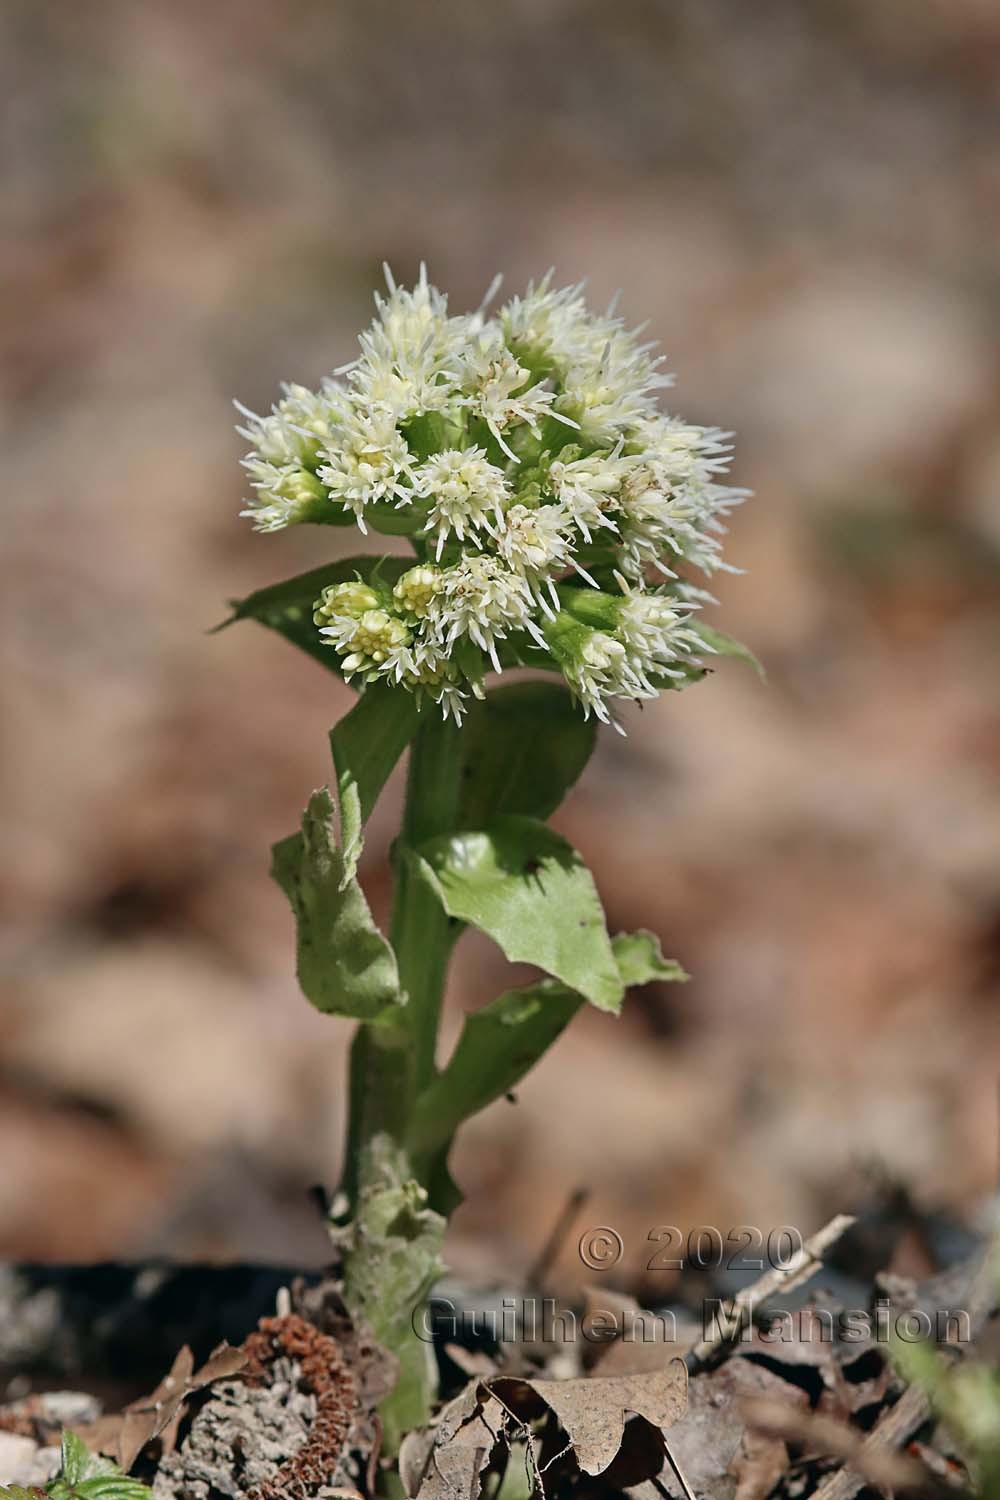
x=467, y=495
x=371, y=463
x=482, y=599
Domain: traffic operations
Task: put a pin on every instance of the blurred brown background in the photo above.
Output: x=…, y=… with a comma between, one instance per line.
x=805, y=203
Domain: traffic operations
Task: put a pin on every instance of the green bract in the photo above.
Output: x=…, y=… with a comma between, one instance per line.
x=345, y=964
x=553, y=516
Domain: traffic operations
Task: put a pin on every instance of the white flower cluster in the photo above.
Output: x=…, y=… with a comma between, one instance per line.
x=551, y=505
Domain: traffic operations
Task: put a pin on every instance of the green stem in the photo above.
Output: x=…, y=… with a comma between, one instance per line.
x=391, y=1248
x=420, y=931
x=380, y=1086
x=391, y=1254
x=392, y=1063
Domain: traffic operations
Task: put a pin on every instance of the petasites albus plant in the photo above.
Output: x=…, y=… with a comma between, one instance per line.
x=557, y=520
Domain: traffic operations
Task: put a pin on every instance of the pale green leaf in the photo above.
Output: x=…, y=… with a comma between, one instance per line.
x=101, y=1487
x=366, y=744
x=87, y=1476
x=524, y=746
x=78, y=1463
x=640, y=960
x=345, y=965
x=500, y=1043
x=530, y=891
x=497, y=1047
x=288, y=607
x=718, y=643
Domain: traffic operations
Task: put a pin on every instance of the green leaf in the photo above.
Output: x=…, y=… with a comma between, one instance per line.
x=366, y=744
x=524, y=746
x=345, y=965
x=87, y=1476
x=498, y=1045
x=640, y=960
x=502, y=1042
x=288, y=607
x=718, y=643
x=530, y=891
x=115, y=1486
x=78, y=1463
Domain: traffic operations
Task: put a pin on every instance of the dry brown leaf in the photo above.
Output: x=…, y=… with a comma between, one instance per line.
x=759, y=1465
x=123, y=1437
x=592, y=1413
x=158, y=1416
x=446, y=1463
x=845, y=1377
x=882, y=1467
x=711, y=1443
x=414, y=1458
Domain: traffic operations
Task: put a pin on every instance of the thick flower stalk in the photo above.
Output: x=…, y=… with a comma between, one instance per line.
x=558, y=517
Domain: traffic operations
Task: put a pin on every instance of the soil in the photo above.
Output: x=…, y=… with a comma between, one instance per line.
x=291, y=1413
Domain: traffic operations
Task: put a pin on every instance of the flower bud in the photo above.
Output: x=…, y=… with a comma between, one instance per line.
x=417, y=588
x=377, y=634
x=344, y=600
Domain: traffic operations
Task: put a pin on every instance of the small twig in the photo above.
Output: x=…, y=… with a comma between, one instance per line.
x=893, y=1429
x=947, y=1470
x=877, y=1466
x=549, y=1462
x=523, y=1430
x=678, y=1471
x=803, y=1265
x=538, y=1273
x=913, y=1408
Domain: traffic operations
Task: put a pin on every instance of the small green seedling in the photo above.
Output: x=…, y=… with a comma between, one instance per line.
x=82, y=1475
